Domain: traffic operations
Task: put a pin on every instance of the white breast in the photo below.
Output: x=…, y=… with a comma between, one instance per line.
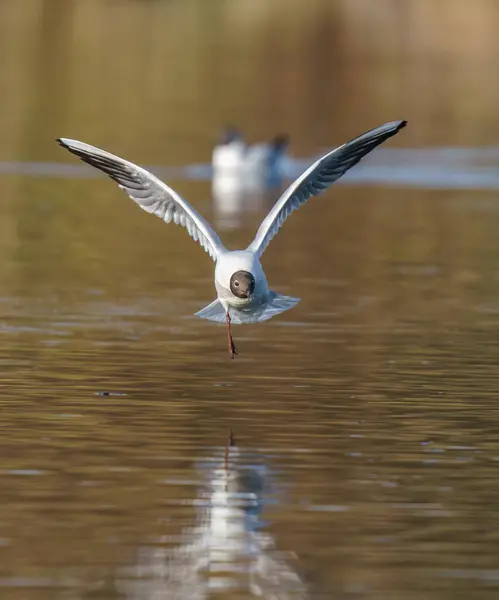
x=228, y=158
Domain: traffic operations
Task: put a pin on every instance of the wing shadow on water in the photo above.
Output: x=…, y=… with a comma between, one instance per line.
x=226, y=550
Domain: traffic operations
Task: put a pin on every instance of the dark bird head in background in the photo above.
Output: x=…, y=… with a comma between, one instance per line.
x=280, y=142
x=230, y=134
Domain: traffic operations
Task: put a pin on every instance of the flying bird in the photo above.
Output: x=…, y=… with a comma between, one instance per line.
x=243, y=295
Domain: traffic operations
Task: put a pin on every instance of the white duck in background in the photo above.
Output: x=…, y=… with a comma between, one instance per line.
x=228, y=155
x=244, y=177
x=243, y=295
x=267, y=160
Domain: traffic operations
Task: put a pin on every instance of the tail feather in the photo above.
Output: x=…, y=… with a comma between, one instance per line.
x=276, y=304
x=213, y=312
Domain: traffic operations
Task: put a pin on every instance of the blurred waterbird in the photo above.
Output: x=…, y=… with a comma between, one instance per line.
x=228, y=154
x=243, y=295
x=266, y=160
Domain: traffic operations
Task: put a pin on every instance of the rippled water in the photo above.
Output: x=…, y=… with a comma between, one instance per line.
x=365, y=420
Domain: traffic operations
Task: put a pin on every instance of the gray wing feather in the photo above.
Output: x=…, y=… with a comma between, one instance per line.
x=149, y=192
x=318, y=177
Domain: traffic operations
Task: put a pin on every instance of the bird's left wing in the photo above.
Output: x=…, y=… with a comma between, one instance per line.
x=149, y=192
x=318, y=177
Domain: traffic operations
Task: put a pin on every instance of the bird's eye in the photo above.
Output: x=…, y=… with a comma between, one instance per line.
x=236, y=283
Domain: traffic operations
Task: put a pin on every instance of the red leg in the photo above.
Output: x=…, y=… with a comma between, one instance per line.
x=230, y=442
x=230, y=341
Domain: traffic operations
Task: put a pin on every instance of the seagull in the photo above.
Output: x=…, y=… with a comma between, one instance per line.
x=243, y=295
x=228, y=154
x=265, y=160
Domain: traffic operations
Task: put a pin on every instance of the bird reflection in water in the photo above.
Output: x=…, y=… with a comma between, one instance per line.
x=237, y=195
x=226, y=550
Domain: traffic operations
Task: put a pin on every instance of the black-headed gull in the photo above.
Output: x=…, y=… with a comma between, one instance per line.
x=243, y=295
x=228, y=154
x=265, y=160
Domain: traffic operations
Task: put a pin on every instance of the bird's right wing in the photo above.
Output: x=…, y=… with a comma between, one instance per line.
x=318, y=177
x=149, y=192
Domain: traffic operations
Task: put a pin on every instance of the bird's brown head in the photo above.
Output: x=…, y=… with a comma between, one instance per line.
x=242, y=284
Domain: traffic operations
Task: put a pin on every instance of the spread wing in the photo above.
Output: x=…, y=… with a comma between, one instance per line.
x=149, y=192
x=318, y=177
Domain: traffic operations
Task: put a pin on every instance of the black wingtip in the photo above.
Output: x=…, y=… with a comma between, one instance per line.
x=60, y=142
x=401, y=125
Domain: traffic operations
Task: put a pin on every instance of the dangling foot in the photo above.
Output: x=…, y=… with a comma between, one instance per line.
x=232, y=347
x=230, y=442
